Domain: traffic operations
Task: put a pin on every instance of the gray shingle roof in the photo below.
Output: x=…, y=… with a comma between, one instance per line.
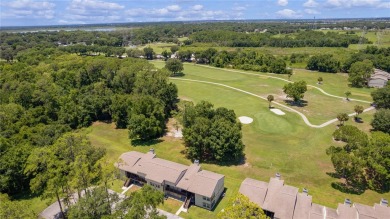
x=255, y=190
x=190, y=178
x=302, y=206
x=286, y=203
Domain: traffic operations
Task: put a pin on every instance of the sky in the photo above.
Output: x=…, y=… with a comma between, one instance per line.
x=60, y=12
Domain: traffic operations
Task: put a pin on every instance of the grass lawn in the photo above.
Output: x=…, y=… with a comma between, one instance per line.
x=170, y=205
x=273, y=143
x=318, y=108
x=158, y=48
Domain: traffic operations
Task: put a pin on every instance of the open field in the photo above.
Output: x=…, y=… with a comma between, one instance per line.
x=317, y=109
x=158, y=48
x=274, y=143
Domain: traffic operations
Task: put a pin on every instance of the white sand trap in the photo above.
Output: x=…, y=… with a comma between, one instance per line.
x=278, y=112
x=245, y=119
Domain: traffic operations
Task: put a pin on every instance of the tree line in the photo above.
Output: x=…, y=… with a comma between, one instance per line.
x=64, y=92
x=364, y=160
x=300, y=39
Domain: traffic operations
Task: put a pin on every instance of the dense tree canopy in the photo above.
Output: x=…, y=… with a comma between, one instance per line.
x=212, y=135
x=295, y=90
x=43, y=97
x=381, y=121
x=364, y=161
x=381, y=97
x=360, y=72
x=242, y=207
x=174, y=65
x=323, y=63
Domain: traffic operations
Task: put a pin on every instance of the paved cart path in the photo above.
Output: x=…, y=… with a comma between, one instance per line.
x=305, y=119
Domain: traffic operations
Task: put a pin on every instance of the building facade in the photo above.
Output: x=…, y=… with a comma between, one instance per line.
x=189, y=184
x=282, y=201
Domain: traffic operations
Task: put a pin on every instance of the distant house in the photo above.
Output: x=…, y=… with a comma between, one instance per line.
x=285, y=202
x=190, y=184
x=379, y=78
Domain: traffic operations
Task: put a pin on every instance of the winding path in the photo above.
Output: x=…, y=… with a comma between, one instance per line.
x=282, y=79
x=305, y=119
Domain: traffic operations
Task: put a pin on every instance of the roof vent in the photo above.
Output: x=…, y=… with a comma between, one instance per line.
x=277, y=175
x=151, y=150
x=196, y=162
x=306, y=191
x=347, y=201
x=384, y=202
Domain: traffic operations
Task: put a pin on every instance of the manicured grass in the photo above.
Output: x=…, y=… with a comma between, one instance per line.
x=158, y=48
x=320, y=108
x=273, y=144
x=170, y=205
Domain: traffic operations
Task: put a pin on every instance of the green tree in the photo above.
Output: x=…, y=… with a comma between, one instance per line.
x=242, y=207
x=66, y=166
x=174, y=65
x=146, y=118
x=166, y=54
x=141, y=204
x=320, y=80
x=360, y=72
x=342, y=117
x=381, y=97
x=149, y=53
x=347, y=94
x=14, y=210
x=95, y=204
x=174, y=49
x=270, y=98
x=212, y=135
x=295, y=90
x=358, y=110
x=377, y=156
x=381, y=121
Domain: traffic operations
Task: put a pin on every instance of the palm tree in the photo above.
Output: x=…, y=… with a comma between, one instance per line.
x=270, y=98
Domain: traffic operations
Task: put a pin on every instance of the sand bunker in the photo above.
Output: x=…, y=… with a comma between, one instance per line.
x=245, y=119
x=278, y=112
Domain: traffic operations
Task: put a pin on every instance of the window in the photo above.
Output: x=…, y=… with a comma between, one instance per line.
x=206, y=198
x=206, y=205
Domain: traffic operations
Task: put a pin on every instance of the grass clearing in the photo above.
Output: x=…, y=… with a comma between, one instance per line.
x=158, y=48
x=319, y=109
x=170, y=205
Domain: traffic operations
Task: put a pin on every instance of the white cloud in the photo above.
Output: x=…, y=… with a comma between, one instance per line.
x=239, y=8
x=173, y=8
x=28, y=8
x=288, y=13
x=95, y=4
x=384, y=5
x=311, y=11
x=310, y=4
x=91, y=11
x=352, y=3
x=282, y=2
x=195, y=12
x=197, y=7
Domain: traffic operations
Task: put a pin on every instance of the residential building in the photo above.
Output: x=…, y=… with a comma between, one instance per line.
x=190, y=184
x=379, y=78
x=282, y=201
